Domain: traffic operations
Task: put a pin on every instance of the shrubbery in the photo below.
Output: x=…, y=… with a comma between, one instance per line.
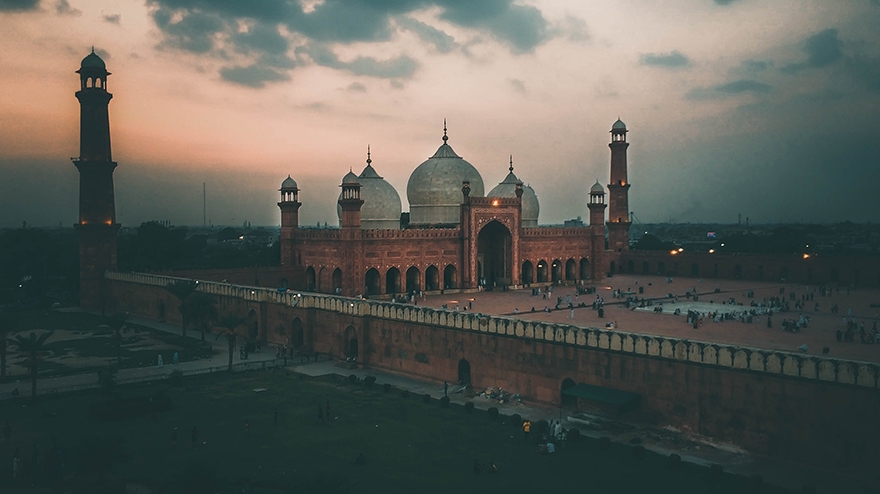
x=517, y=420
x=353, y=379
x=176, y=378
x=605, y=444
x=574, y=435
x=540, y=427
x=444, y=402
x=493, y=413
x=426, y=398
x=715, y=471
x=369, y=381
x=404, y=393
x=386, y=387
x=674, y=462
x=469, y=407
x=639, y=452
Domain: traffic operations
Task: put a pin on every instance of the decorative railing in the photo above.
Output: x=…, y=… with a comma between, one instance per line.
x=791, y=364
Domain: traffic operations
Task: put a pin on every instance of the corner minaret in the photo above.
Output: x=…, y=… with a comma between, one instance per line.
x=350, y=202
x=289, y=206
x=597, y=231
x=618, y=191
x=97, y=227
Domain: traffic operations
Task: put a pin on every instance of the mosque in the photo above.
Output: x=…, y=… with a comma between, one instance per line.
x=455, y=236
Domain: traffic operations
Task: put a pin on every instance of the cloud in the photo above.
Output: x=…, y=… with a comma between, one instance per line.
x=756, y=65
x=64, y=8
x=394, y=68
x=443, y=42
x=113, y=18
x=725, y=2
x=522, y=27
x=273, y=28
x=673, y=60
x=517, y=85
x=19, y=5
x=253, y=76
x=356, y=87
x=822, y=49
x=573, y=28
x=741, y=86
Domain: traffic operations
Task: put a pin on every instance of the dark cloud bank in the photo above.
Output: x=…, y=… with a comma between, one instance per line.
x=281, y=35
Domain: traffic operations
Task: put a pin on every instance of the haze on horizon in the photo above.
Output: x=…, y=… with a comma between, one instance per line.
x=768, y=109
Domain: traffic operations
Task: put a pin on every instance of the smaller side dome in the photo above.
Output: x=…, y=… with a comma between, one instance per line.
x=597, y=188
x=618, y=125
x=350, y=178
x=288, y=183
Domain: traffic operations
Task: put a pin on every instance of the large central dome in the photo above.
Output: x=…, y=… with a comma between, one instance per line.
x=434, y=188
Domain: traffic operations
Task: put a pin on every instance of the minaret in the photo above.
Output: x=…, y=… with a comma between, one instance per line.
x=351, y=201
x=289, y=206
x=618, y=190
x=97, y=227
x=597, y=231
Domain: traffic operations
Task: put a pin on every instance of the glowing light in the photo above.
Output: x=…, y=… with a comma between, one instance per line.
x=722, y=245
x=711, y=251
x=806, y=256
x=496, y=202
x=673, y=252
x=681, y=249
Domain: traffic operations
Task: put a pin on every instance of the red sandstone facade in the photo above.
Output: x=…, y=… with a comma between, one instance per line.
x=489, y=247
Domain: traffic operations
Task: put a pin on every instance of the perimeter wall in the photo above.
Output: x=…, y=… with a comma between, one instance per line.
x=796, y=407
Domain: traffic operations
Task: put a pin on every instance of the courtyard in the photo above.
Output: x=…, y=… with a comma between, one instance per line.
x=820, y=332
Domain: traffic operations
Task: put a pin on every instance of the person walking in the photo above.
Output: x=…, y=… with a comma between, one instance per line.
x=160, y=362
x=176, y=358
x=194, y=436
x=445, y=388
x=247, y=427
x=327, y=412
x=7, y=432
x=275, y=417
x=526, y=428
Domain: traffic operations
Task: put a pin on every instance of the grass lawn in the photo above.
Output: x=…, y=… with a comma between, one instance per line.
x=409, y=446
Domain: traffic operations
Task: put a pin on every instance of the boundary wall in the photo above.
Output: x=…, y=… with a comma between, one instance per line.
x=793, y=406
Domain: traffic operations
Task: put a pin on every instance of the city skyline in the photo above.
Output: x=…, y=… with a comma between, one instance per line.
x=751, y=109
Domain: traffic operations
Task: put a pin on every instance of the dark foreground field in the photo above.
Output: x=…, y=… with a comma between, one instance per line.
x=409, y=445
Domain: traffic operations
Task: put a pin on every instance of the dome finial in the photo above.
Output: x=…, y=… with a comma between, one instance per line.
x=368, y=155
x=445, y=137
x=511, y=164
x=93, y=48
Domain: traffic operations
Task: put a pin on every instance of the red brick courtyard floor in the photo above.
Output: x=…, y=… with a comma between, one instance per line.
x=820, y=332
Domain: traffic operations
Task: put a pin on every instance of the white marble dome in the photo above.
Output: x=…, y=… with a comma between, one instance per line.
x=530, y=206
x=381, y=209
x=434, y=188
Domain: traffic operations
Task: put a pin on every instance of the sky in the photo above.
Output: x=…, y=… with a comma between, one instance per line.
x=768, y=109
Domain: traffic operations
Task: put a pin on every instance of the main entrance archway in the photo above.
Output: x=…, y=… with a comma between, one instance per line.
x=494, y=245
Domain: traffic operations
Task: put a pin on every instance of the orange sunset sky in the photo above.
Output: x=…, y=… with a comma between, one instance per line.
x=759, y=107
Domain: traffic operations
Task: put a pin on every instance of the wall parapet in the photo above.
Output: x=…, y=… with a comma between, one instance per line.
x=790, y=364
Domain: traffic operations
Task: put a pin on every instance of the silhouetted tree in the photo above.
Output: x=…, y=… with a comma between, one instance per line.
x=200, y=308
x=229, y=323
x=115, y=322
x=182, y=289
x=7, y=324
x=32, y=346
